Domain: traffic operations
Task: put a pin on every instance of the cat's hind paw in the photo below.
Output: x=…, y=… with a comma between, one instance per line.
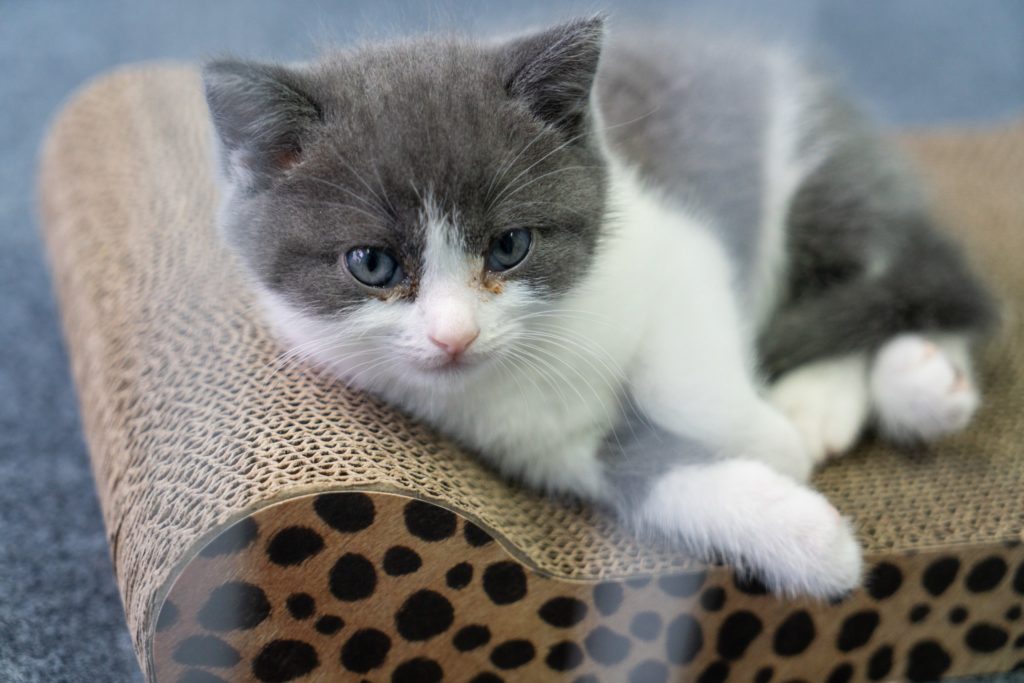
x=920, y=391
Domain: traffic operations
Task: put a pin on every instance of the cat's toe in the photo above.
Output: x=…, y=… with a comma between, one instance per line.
x=920, y=393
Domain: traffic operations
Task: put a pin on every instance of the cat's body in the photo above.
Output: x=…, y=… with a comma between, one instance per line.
x=706, y=218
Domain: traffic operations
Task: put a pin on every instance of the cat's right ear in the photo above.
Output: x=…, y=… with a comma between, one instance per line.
x=262, y=115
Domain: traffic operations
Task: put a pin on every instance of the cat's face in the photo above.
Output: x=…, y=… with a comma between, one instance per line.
x=413, y=211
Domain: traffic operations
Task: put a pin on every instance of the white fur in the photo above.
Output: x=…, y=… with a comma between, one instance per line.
x=786, y=534
x=922, y=388
x=827, y=401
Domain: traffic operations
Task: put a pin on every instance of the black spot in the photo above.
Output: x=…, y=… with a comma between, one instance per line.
x=199, y=676
x=986, y=575
x=751, y=585
x=512, y=654
x=399, y=560
x=713, y=599
x=1018, y=579
x=682, y=585
x=234, y=605
x=168, y=616
x=957, y=615
x=418, y=670
x=564, y=656
x=683, y=640
x=638, y=582
x=919, y=613
x=329, y=624
x=486, y=677
x=764, y=674
x=424, y=615
x=884, y=580
x=737, y=632
x=608, y=597
x=429, y=522
x=475, y=536
x=234, y=539
x=563, y=612
x=927, y=661
x=206, y=651
x=1019, y=643
x=605, y=646
x=505, y=582
x=940, y=574
x=347, y=512
x=880, y=663
x=300, y=605
x=471, y=637
x=794, y=634
x=841, y=674
x=459, y=576
x=365, y=650
x=1012, y=614
x=646, y=625
x=857, y=630
x=986, y=638
x=352, y=578
x=717, y=672
x=294, y=545
x=648, y=671
x=284, y=660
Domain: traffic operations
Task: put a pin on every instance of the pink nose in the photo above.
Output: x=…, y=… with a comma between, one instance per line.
x=455, y=342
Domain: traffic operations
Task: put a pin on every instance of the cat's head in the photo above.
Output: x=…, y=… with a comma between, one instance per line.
x=408, y=209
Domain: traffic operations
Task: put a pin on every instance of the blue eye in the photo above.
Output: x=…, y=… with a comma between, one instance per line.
x=509, y=249
x=373, y=267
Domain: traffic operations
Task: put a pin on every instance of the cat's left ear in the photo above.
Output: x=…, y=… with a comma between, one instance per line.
x=262, y=115
x=553, y=72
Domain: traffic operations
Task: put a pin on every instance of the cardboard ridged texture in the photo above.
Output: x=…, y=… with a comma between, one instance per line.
x=305, y=494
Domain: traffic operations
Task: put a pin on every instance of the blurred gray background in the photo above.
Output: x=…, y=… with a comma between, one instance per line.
x=913, y=62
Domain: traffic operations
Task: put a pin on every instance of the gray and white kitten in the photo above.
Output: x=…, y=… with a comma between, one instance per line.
x=670, y=276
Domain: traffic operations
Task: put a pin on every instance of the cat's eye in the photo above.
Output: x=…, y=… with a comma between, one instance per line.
x=509, y=249
x=373, y=267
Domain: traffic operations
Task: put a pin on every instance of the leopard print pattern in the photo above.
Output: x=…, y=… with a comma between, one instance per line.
x=380, y=587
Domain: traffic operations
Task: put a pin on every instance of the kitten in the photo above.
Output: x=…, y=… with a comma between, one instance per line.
x=668, y=276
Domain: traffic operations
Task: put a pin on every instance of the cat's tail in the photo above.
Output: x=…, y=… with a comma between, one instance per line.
x=926, y=288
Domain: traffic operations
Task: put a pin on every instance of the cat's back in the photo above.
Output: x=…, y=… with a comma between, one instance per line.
x=696, y=114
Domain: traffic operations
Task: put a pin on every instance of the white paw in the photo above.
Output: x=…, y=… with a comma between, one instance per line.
x=764, y=524
x=807, y=548
x=827, y=401
x=920, y=392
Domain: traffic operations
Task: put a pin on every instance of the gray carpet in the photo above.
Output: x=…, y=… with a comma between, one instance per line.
x=914, y=62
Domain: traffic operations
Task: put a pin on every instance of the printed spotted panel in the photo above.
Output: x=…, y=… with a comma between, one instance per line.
x=380, y=587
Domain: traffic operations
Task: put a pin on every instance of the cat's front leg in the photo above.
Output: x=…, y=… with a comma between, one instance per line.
x=695, y=381
x=738, y=511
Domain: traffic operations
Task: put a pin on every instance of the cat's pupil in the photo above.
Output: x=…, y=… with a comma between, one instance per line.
x=373, y=266
x=507, y=243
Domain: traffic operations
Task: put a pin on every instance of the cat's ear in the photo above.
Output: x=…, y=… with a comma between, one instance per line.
x=262, y=115
x=553, y=71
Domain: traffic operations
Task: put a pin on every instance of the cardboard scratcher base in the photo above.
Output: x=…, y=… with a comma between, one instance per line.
x=391, y=588
x=347, y=543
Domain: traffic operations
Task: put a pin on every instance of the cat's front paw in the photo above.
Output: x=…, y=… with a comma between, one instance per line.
x=810, y=548
x=827, y=401
x=920, y=391
x=772, y=438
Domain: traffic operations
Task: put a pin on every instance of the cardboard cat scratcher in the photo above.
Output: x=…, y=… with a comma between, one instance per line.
x=267, y=525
